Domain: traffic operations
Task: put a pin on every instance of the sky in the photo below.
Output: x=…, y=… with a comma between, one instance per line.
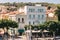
x=49, y=1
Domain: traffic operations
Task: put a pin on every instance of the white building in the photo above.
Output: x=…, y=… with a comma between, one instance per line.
x=31, y=15
x=21, y=19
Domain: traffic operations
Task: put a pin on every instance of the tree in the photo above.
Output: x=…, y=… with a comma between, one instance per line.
x=42, y=27
x=58, y=29
x=12, y=24
x=57, y=12
x=4, y=23
x=52, y=27
x=1, y=24
x=26, y=27
x=8, y=23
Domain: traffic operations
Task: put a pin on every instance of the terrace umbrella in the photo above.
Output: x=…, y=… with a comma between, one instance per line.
x=45, y=31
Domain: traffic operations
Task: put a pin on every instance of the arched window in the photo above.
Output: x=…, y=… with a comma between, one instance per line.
x=22, y=20
x=18, y=19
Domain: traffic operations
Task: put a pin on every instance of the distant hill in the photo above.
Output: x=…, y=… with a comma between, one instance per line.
x=31, y=4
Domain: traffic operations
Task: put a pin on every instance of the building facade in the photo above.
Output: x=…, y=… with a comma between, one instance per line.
x=50, y=14
x=31, y=15
x=27, y=15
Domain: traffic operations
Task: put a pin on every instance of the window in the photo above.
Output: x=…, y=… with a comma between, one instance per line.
x=18, y=19
x=31, y=10
x=40, y=10
x=33, y=22
x=29, y=16
x=33, y=16
x=42, y=16
x=38, y=16
x=22, y=20
x=29, y=22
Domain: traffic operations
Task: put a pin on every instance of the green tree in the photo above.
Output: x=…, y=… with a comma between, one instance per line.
x=26, y=27
x=58, y=29
x=57, y=12
x=8, y=23
x=1, y=24
x=4, y=23
x=42, y=27
x=52, y=26
x=13, y=24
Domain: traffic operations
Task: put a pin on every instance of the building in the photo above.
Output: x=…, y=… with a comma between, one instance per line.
x=50, y=13
x=21, y=19
x=27, y=15
x=31, y=15
x=3, y=9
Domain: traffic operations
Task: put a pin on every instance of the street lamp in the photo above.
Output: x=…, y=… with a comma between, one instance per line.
x=30, y=33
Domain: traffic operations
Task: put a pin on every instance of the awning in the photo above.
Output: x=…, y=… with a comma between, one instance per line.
x=33, y=31
x=45, y=31
x=21, y=30
x=36, y=31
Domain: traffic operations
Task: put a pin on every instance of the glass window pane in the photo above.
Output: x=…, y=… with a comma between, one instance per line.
x=40, y=10
x=29, y=16
x=31, y=10
x=18, y=19
x=33, y=22
x=22, y=20
x=33, y=16
x=29, y=22
x=42, y=16
x=38, y=16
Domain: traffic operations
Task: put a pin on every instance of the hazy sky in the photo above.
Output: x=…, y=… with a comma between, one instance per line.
x=49, y=1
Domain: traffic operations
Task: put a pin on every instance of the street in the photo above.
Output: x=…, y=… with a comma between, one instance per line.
x=21, y=38
x=15, y=39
